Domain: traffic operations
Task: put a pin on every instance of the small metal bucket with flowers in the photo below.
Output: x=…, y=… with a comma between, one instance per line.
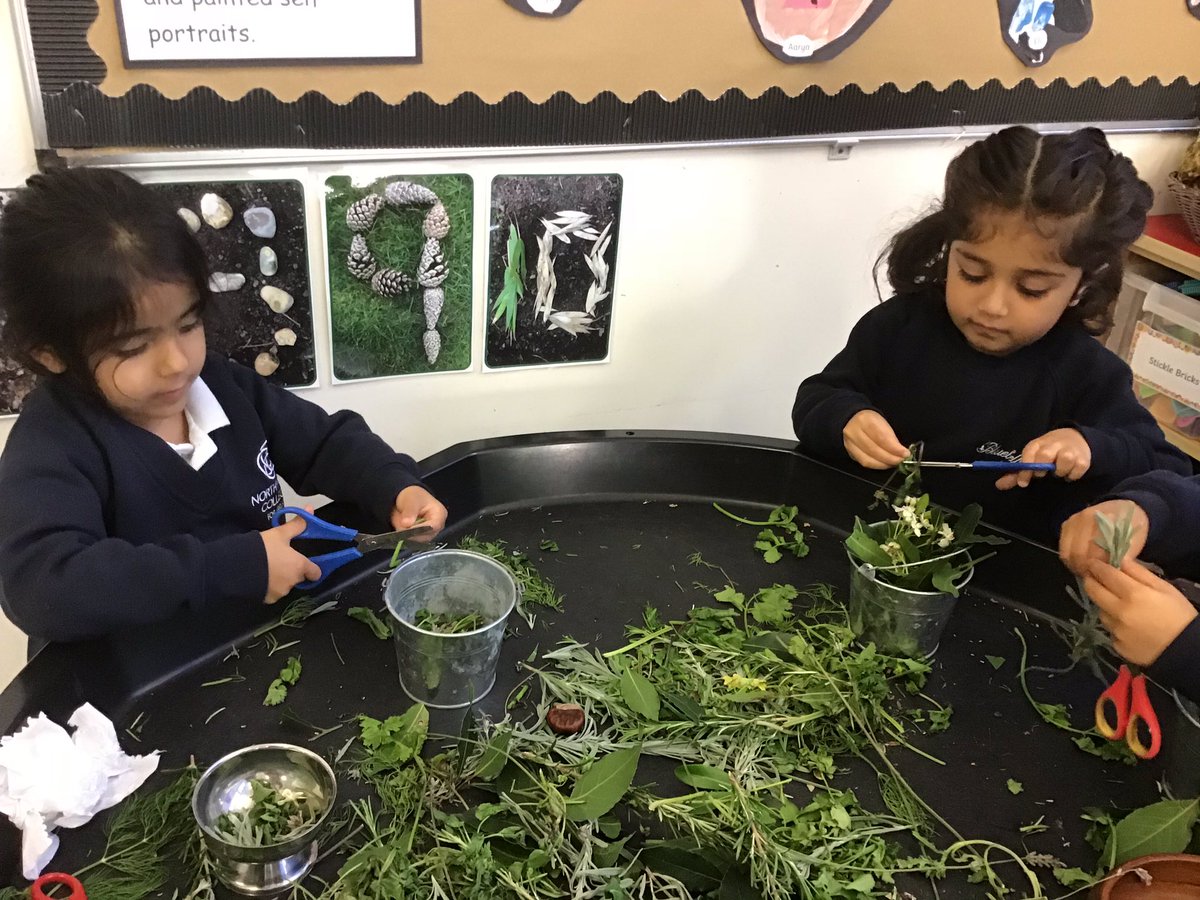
x=908, y=572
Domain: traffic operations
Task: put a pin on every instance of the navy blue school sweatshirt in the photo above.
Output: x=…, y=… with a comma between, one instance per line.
x=104, y=526
x=907, y=360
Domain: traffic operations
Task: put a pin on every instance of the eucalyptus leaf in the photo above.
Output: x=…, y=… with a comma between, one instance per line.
x=1163, y=827
x=639, y=694
x=602, y=786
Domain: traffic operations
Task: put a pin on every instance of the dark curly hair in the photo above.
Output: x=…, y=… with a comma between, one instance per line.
x=77, y=247
x=1074, y=176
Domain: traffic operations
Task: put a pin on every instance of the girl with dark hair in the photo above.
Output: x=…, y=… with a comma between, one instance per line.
x=987, y=350
x=140, y=479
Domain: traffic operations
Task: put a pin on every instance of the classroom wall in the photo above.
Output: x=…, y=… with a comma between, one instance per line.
x=740, y=271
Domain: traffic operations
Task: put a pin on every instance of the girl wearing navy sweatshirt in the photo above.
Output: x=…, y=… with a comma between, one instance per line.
x=140, y=479
x=987, y=349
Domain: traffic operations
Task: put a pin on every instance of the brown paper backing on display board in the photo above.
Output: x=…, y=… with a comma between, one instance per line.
x=668, y=47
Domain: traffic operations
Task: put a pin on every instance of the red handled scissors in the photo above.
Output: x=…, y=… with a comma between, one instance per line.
x=70, y=882
x=316, y=528
x=1130, y=701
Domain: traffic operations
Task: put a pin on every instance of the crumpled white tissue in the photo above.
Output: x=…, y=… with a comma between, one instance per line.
x=49, y=778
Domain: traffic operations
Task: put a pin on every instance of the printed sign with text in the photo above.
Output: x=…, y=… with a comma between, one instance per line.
x=258, y=32
x=1166, y=363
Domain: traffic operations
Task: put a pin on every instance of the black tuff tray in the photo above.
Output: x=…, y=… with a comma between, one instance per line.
x=626, y=509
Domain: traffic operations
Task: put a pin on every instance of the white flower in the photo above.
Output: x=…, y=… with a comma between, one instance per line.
x=947, y=536
x=894, y=551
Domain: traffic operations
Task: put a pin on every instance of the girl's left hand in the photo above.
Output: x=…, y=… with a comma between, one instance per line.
x=1065, y=447
x=415, y=504
x=1141, y=611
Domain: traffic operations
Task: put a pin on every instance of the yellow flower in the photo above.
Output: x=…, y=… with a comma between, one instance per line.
x=739, y=682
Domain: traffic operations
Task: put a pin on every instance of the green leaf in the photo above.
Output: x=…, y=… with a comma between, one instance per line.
x=276, y=693
x=683, y=707
x=731, y=596
x=737, y=886
x=773, y=605
x=865, y=548
x=996, y=661
x=290, y=673
x=944, y=577
x=692, y=870
x=704, y=778
x=639, y=694
x=863, y=884
x=549, y=546
x=1074, y=877
x=1163, y=827
x=494, y=756
x=372, y=621
x=1014, y=786
x=602, y=786
x=397, y=739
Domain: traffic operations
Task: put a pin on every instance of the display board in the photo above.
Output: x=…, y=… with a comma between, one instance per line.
x=503, y=73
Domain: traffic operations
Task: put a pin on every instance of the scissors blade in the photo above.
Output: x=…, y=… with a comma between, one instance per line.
x=368, y=542
x=946, y=465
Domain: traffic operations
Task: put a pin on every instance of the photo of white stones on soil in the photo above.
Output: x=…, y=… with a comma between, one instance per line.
x=254, y=236
x=15, y=380
x=553, y=251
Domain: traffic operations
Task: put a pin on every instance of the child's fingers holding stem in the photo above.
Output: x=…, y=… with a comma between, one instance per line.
x=871, y=442
x=1143, y=612
x=415, y=505
x=1077, y=545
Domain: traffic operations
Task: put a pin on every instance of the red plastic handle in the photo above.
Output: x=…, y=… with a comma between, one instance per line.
x=1116, y=695
x=1141, y=711
x=70, y=881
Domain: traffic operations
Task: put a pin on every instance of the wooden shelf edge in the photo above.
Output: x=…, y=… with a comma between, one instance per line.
x=1167, y=255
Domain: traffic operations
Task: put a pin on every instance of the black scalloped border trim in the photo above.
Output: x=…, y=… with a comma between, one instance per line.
x=83, y=117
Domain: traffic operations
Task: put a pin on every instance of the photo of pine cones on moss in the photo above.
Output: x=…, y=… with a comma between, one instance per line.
x=399, y=274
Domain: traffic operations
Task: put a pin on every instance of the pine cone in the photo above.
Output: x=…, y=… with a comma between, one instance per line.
x=405, y=193
x=362, y=213
x=390, y=283
x=437, y=222
x=435, y=299
x=431, y=270
x=360, y=261
x=433, y=345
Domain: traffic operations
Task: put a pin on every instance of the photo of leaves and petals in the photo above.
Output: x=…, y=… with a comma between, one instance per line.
x=553, y=250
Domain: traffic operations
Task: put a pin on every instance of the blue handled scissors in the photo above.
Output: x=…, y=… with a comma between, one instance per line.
x=316, y=528
x=996, y=465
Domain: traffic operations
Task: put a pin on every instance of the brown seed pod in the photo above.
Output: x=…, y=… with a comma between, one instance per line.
x=565, y=718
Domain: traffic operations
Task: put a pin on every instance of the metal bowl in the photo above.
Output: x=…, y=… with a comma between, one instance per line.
x=225, y=788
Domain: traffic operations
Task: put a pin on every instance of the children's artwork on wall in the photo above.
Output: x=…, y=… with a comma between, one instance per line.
x=544, y=8
x=16, y=381
x=553, y=251
x=254, y=236
x=399, y=274
x=798, y=31
x=1035, y=29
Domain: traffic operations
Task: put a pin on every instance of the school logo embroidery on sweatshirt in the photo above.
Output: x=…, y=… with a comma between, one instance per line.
x=264, y=461
x=991, y=448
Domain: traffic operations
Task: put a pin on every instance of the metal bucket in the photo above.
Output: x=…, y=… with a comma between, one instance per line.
x=896, y=620
x=1181, y=776
x=447, y=671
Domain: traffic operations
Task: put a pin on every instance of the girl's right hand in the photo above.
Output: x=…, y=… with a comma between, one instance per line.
x=286, y=567
x=871, y=442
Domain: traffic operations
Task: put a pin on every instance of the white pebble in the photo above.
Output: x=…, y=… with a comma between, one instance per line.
x=285, y=337
x=221, y=282
x=268, y=262
x=261, y=221
x=193, y=220
x=215, y=210
x=265, y=364
x=279, y=300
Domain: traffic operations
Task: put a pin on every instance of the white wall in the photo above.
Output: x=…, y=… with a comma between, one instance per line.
x=740, y=271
